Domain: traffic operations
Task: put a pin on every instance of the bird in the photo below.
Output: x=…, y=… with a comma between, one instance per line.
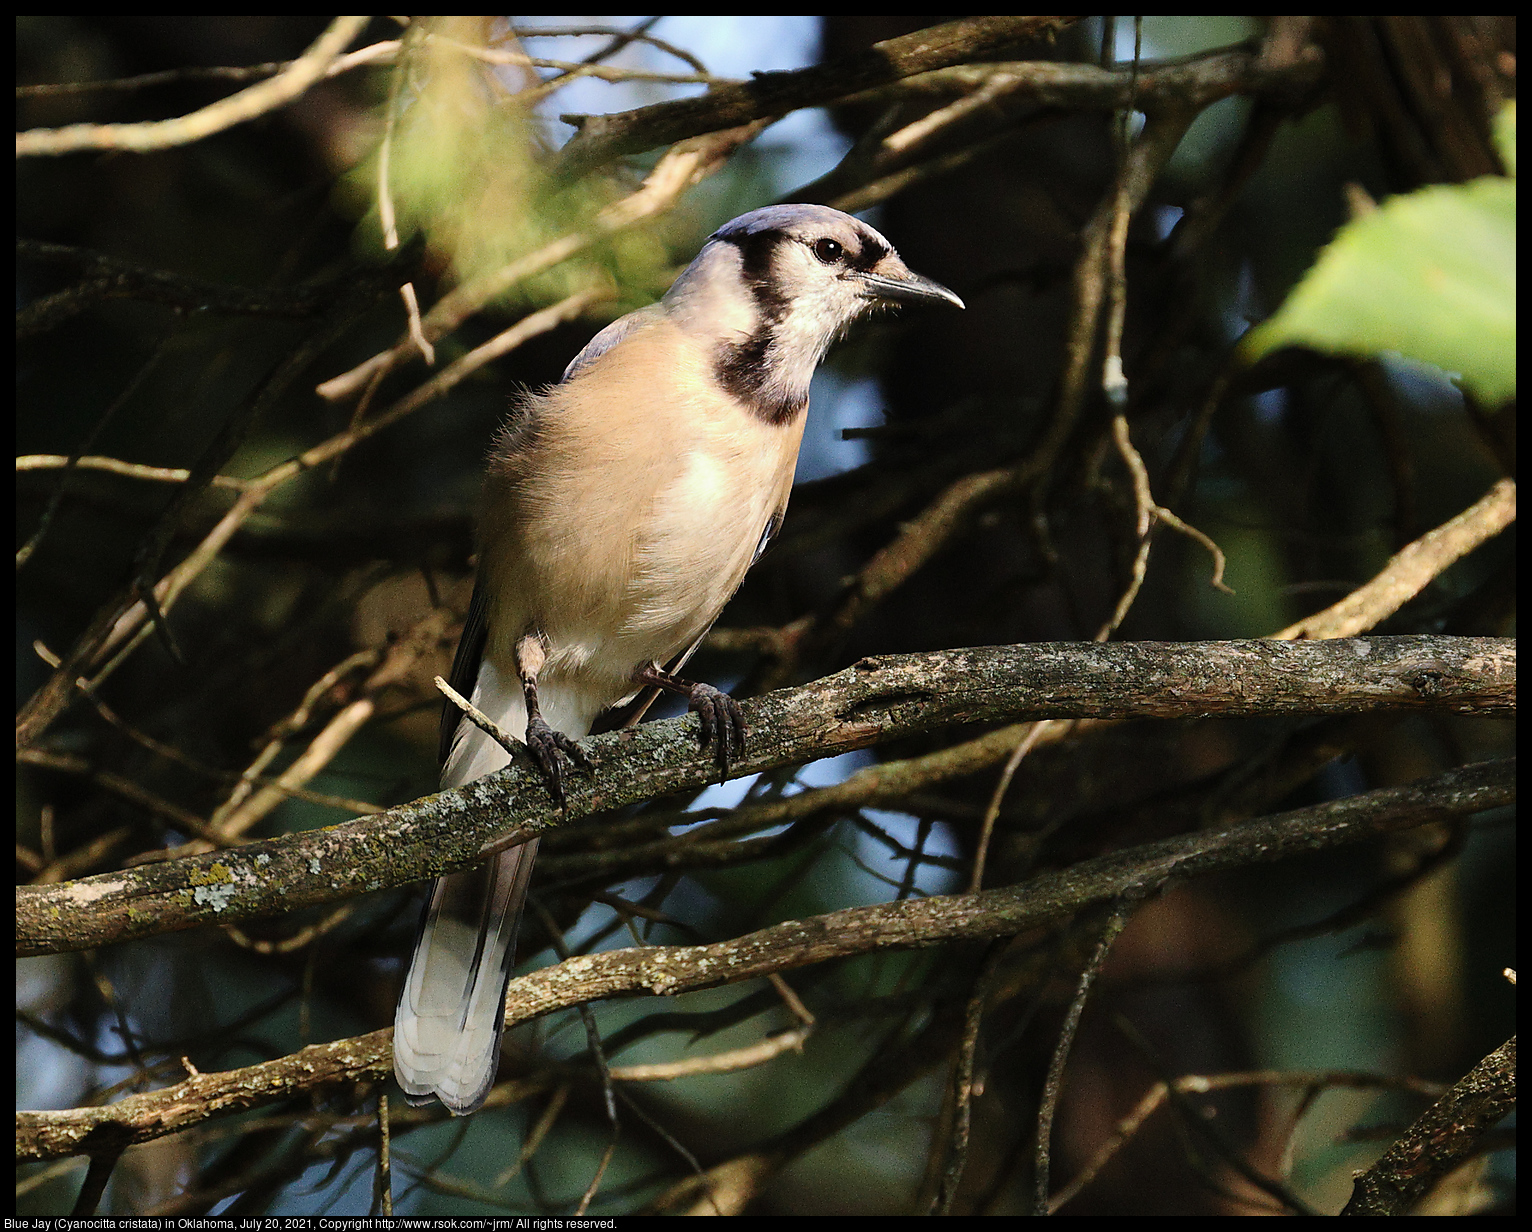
x=622, y=508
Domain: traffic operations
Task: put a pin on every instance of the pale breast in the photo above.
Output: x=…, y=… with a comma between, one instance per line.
x=626, y=515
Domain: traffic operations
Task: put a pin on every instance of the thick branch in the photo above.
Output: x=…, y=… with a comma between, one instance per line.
x=1195, y=82
x=1446, y=1135
x=604, y=137
x=910, y=923
x=877, y=700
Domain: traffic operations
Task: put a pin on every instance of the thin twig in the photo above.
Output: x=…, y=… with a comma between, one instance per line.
x=257, y=100
x=386, y=150
x=417, y=335
x=479, y=719
x=1412, y=568
x=383, y=1200
x=290, y=945
x=728, y=1062
x=923, y=129
x=116, y=466
x=592, y=1032
x=1032, y=734
x=792, y=1000
x=1220, y=561
x=962, y=1084
x=534, y=1138
x=1200, y=1084
x=1043, y=1155
x=622, y=37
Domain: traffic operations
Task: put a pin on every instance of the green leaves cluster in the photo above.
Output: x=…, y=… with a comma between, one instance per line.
x=1430, y=275
x=466, y=168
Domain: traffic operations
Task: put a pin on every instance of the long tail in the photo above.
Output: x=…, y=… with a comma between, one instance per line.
x=452, y=1012
x=448, y=1025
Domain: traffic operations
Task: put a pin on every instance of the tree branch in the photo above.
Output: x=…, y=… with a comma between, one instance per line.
x=1444, y=1136
x=1412, y=568
x=876, y=700
x=249, y=103
x=605, y=137
x=105, y=277
x=910, y=923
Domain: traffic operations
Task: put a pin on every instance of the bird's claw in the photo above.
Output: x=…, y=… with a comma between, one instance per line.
x=721, y=723
x=545, y=744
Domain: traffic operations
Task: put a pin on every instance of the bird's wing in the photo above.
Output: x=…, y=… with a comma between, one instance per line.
x=465, y=667
x=610, y=337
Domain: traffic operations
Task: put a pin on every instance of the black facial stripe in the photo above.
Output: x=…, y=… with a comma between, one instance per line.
x=741, y=369
x=870, y=253
x=757, y=256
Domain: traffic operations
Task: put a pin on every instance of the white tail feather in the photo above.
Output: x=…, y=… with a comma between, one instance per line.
x=448, y=1025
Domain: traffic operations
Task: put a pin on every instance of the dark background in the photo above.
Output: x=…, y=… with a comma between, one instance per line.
x=1312, y=471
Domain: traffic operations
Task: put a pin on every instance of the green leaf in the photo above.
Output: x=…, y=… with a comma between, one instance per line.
x=1430, y=275
x=1505, y=137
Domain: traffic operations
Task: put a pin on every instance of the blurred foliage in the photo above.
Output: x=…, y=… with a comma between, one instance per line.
x=467, y=169
x=1430, y=275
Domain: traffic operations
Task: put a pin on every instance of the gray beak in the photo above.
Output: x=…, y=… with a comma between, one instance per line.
x=909, y=288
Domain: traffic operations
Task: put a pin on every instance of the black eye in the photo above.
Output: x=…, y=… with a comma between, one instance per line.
x=828, y=251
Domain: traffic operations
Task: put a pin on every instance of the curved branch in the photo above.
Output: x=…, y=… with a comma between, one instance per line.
x=907, y=924
x=605, y=137
x=875, y=701
x=1442, y=1139
x=255, y=101
x=1412, y=568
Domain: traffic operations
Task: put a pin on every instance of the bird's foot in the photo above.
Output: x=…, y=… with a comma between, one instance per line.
x=721, y=723
x=720, y=720
x=546, y=744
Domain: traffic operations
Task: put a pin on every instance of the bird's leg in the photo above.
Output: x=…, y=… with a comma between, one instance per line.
x=544, y=742
x=722, y=723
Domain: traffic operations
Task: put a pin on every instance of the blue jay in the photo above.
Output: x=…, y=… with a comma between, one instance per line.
x=622, y=508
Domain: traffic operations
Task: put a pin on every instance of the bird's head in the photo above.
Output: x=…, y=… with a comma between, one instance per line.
x=774, y=287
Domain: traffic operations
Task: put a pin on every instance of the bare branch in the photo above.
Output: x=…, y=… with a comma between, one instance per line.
x=1412, y=568
x=769, y=95
x=1445, y=1135
x=255, y=101
x=106, y=277
x=877, y=700
x=116, y=466
x=668, y=970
